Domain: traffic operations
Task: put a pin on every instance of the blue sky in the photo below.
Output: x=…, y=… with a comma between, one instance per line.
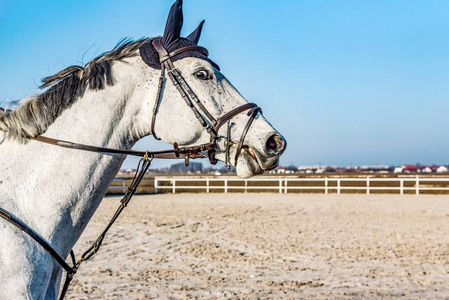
x=346, y=82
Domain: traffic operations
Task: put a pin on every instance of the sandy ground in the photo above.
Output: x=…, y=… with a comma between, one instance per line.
x=269, y=246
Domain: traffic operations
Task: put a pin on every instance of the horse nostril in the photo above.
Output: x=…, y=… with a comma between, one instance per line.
x=271, y=143
x=276, y=144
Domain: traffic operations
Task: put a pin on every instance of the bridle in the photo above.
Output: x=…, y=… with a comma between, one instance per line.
x=210, y=124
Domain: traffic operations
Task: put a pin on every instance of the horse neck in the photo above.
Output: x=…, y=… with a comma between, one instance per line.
x=65, y=186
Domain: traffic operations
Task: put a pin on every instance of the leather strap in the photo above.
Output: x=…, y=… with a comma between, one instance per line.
x=229, y=115
x=253, y=113
x=191, y=152
x=189, y=49
x=163, y=53
x=37, y=237
x=158, y=45
x=178, y=80
x=68, y=277
x=157, y=101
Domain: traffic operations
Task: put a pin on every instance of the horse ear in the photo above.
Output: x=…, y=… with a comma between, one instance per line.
x=174, y=23
x=195, y=35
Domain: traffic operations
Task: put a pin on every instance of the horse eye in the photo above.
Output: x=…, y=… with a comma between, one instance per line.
x=202, y=75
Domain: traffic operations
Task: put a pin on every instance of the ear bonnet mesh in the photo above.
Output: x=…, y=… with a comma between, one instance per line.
x=151, y=57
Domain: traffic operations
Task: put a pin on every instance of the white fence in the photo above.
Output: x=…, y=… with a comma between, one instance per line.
x=120, y=186
x=325, y=184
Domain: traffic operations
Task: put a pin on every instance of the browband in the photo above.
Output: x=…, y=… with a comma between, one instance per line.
x=158, y=45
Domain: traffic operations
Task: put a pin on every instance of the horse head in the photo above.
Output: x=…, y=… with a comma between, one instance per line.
x=247, y=140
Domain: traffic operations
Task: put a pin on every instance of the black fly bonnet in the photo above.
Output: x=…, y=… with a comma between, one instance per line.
x=173, y=41
x=151, y=57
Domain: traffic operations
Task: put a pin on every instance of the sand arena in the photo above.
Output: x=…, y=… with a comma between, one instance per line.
x=269, y=246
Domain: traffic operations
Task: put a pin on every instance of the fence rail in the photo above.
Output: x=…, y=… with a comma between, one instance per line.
x=326, y=185
x=120, y=186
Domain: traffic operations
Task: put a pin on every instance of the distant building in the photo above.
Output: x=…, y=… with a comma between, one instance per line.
x=126, y=172
x=421, y=169
x=398, y=170
x=320, y=171
x=441, y=169
x=425, y=169
x=410, y=169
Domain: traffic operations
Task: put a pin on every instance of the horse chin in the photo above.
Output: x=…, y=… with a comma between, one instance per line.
x=248, y=165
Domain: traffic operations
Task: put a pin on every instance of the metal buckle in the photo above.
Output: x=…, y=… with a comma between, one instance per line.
x=145, y=157
x=211, y=131
x=176, y=149
x=203, y=151
x=173, y=70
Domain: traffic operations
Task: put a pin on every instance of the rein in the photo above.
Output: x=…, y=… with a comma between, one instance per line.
x=142, y=167
x=207, y=150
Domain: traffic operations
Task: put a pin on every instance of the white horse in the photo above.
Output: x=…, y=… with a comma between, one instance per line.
x=106, y=103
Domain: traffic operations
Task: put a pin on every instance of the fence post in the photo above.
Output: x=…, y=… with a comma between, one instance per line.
x=417, y=185
x=326, y=184
x=226, y=186
x=367, y=185
x=207, y=185
x=155, y=185
x=401, y=182
x=280, y=186
x=286, y=185
x=338, y=186
x=174, y=186
x=246, y=186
